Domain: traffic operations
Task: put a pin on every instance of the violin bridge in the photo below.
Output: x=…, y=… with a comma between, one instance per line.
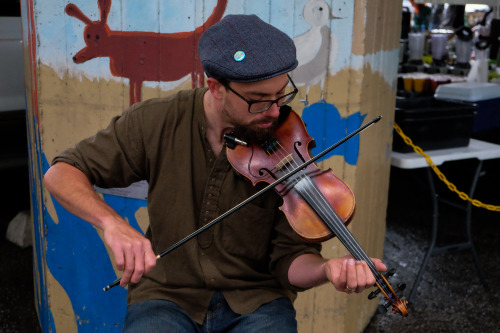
x=284, y=162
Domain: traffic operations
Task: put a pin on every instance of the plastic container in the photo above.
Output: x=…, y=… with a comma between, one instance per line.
x=463, y=45
x=433, y=124
x=416, y=41
x=484, y=94
x=438, y=42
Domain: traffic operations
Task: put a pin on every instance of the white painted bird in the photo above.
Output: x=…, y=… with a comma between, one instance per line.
x=316, y=47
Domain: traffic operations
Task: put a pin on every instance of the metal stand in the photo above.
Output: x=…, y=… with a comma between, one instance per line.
x=433, y=250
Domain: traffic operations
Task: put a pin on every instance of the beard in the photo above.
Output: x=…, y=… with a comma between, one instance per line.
x=252, y=134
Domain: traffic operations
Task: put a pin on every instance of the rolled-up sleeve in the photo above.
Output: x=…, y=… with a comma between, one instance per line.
x=287, y=246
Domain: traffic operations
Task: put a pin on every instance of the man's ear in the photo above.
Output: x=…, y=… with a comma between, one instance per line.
x=216, y=88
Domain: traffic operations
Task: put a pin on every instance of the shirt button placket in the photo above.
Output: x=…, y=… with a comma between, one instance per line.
x=209, y=213
x=209, y=209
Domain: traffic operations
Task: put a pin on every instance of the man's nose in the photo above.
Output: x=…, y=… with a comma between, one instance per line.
x=273, y=111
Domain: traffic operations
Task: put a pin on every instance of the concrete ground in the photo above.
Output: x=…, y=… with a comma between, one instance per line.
x=17, y=309
x=450, y=297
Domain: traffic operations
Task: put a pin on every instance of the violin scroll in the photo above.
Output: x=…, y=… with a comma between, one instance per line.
x=399, y=306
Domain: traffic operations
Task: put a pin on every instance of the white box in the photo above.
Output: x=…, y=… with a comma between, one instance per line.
x=468, y=91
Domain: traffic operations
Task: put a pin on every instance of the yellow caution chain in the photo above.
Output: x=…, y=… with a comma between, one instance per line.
x=441, y=176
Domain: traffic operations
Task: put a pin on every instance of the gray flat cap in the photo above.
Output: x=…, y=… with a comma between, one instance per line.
x=243, y=48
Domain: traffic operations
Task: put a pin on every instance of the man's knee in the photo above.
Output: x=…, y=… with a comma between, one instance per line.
x=157, y=316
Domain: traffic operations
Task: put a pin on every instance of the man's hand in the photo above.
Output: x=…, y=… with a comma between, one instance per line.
x=132, y=251
x=345, y=273
x=349, y=275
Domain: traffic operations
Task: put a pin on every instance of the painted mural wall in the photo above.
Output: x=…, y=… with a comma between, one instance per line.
x=87, y=61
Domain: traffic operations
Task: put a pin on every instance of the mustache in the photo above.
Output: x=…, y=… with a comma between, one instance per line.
x=264, y=120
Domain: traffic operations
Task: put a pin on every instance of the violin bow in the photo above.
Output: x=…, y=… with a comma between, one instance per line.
x=255, y=196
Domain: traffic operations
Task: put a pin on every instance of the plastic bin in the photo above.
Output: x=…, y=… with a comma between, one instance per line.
x=485, y=95
x=433, y=124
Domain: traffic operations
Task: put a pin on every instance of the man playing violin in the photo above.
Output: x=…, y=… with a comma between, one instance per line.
x=243, y=273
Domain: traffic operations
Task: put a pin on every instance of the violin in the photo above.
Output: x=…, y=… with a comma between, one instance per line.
x=317, y=204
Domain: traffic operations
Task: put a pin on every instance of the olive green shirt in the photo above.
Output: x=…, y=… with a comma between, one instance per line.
x=246, y=256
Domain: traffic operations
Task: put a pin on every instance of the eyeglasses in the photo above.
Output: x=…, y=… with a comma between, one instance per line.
x=264, y=105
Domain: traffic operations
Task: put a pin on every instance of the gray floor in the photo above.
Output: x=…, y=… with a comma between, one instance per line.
x=17, y=310
x=450, y=297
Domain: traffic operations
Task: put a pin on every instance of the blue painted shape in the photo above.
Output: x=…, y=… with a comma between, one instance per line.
x=327, y=127
x=40, y=286
x=78, y=260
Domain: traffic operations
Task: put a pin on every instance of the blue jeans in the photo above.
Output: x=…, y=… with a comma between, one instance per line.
x=164, y=316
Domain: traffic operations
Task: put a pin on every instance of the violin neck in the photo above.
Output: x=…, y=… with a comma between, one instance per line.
x=311, y=194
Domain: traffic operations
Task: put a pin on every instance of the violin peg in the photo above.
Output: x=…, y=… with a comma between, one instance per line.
x=390, y=273
x=374, y=294
x=382, y=309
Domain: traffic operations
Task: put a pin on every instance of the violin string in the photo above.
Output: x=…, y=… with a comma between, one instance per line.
x=317, y=197
x=342, y=232
x=338, y=226
x=327, y=211
x=314, y=196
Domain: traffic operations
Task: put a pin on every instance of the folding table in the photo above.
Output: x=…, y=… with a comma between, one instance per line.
x=476, y=149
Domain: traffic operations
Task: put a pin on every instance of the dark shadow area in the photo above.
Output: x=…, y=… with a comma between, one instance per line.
x=17, y=301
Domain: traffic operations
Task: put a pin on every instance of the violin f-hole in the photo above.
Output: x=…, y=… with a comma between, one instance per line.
x=297, y=144
x=269, y=172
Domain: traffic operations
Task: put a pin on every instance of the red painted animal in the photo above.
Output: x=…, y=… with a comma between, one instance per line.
x=143, y=56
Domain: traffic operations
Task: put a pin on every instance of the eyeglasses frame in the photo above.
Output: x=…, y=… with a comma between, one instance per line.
x=271, y=102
